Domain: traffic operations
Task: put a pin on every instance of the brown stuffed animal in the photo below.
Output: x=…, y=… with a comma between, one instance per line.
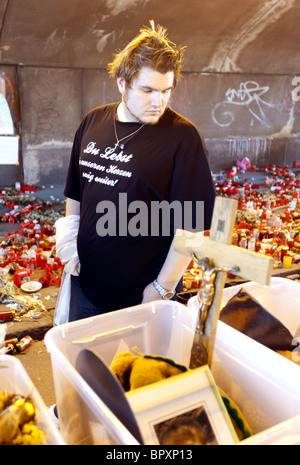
x=136, y=371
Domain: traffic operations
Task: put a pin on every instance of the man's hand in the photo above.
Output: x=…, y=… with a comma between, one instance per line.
x=169, y=276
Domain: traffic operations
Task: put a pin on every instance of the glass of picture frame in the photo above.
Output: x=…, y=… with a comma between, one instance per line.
x=186, y=409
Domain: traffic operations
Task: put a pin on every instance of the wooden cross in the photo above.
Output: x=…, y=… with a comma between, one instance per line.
x=221, y=254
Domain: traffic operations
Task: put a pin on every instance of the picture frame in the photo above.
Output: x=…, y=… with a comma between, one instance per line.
x=186, y=409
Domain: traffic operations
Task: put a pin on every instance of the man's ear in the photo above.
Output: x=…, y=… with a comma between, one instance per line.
x=121, y=84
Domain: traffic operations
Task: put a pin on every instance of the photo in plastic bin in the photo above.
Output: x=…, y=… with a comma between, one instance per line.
x=189, y=428
x=187, y=409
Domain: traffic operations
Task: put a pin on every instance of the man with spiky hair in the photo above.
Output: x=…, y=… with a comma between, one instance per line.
x=141, y=151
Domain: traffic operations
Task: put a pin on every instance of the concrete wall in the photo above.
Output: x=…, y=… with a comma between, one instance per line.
x=240, y=64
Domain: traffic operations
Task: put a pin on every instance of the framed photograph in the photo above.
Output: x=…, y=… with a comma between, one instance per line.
x=186, y=409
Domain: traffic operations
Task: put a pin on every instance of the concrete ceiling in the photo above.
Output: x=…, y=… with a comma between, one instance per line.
x=248, y=36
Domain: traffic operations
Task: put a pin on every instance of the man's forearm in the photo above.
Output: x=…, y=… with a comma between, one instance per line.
x=173, y=269
x=72, y=207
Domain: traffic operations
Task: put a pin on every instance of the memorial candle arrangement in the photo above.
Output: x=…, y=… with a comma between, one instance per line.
x=268, y=218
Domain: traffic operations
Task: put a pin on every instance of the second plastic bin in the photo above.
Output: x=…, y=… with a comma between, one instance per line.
x=15, y=380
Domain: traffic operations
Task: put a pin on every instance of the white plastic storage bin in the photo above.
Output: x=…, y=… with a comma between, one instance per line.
x=15, y=380
x=263, y=384
x=281, y=298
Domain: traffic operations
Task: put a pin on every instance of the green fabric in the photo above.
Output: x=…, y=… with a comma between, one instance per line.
x=235, y=415
x=167, y=360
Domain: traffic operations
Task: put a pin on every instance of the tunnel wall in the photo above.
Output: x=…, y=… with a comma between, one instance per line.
x=240, y=83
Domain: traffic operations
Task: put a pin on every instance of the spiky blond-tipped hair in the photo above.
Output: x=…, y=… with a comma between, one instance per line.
x=152, y=49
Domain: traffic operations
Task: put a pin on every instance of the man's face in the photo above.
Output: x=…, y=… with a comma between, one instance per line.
x=147, y=98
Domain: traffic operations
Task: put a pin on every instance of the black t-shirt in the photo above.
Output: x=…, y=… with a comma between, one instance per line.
x=117, y=189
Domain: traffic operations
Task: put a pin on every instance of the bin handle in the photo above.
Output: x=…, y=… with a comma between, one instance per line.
x=108, y=334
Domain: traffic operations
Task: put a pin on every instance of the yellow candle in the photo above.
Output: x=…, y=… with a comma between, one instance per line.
x=287, y=261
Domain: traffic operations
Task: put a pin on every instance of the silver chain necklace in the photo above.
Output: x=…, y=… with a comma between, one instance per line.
x=123, y=138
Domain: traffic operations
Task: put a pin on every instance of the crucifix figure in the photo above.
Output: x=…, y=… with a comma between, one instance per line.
x=216, y=256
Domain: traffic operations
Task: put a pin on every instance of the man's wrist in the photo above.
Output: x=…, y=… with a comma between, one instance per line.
x=166, y=294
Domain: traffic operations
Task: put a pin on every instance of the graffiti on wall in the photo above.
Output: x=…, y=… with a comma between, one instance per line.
x=250, y=96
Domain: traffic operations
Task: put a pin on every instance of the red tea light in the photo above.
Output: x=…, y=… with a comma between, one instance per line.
x=32, y=263
x=38, y=206
x=7, y=315
x=20, y=274
x=11, y=253
x=4, y=262
x=57, y=260
x=287, y=214
x=26, y=210
x=284, y=252
x=41, y=260
x=27, y=188
x=24, y=224
x=55, y=280
x=45, y=282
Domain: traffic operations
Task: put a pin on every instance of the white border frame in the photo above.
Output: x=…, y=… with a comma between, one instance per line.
x=170, y=398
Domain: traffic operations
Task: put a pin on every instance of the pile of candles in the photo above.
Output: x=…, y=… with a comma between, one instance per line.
x=21, y=204
x=268, y=219
x=32, y=244
x=26, y=260
x=268, y=222
x=19, y=201
x=279, y=241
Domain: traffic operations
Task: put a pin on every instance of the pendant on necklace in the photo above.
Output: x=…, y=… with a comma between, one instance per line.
x=117, y=145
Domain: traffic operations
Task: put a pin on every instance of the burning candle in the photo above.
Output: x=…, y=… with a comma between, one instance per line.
x=287, y=261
